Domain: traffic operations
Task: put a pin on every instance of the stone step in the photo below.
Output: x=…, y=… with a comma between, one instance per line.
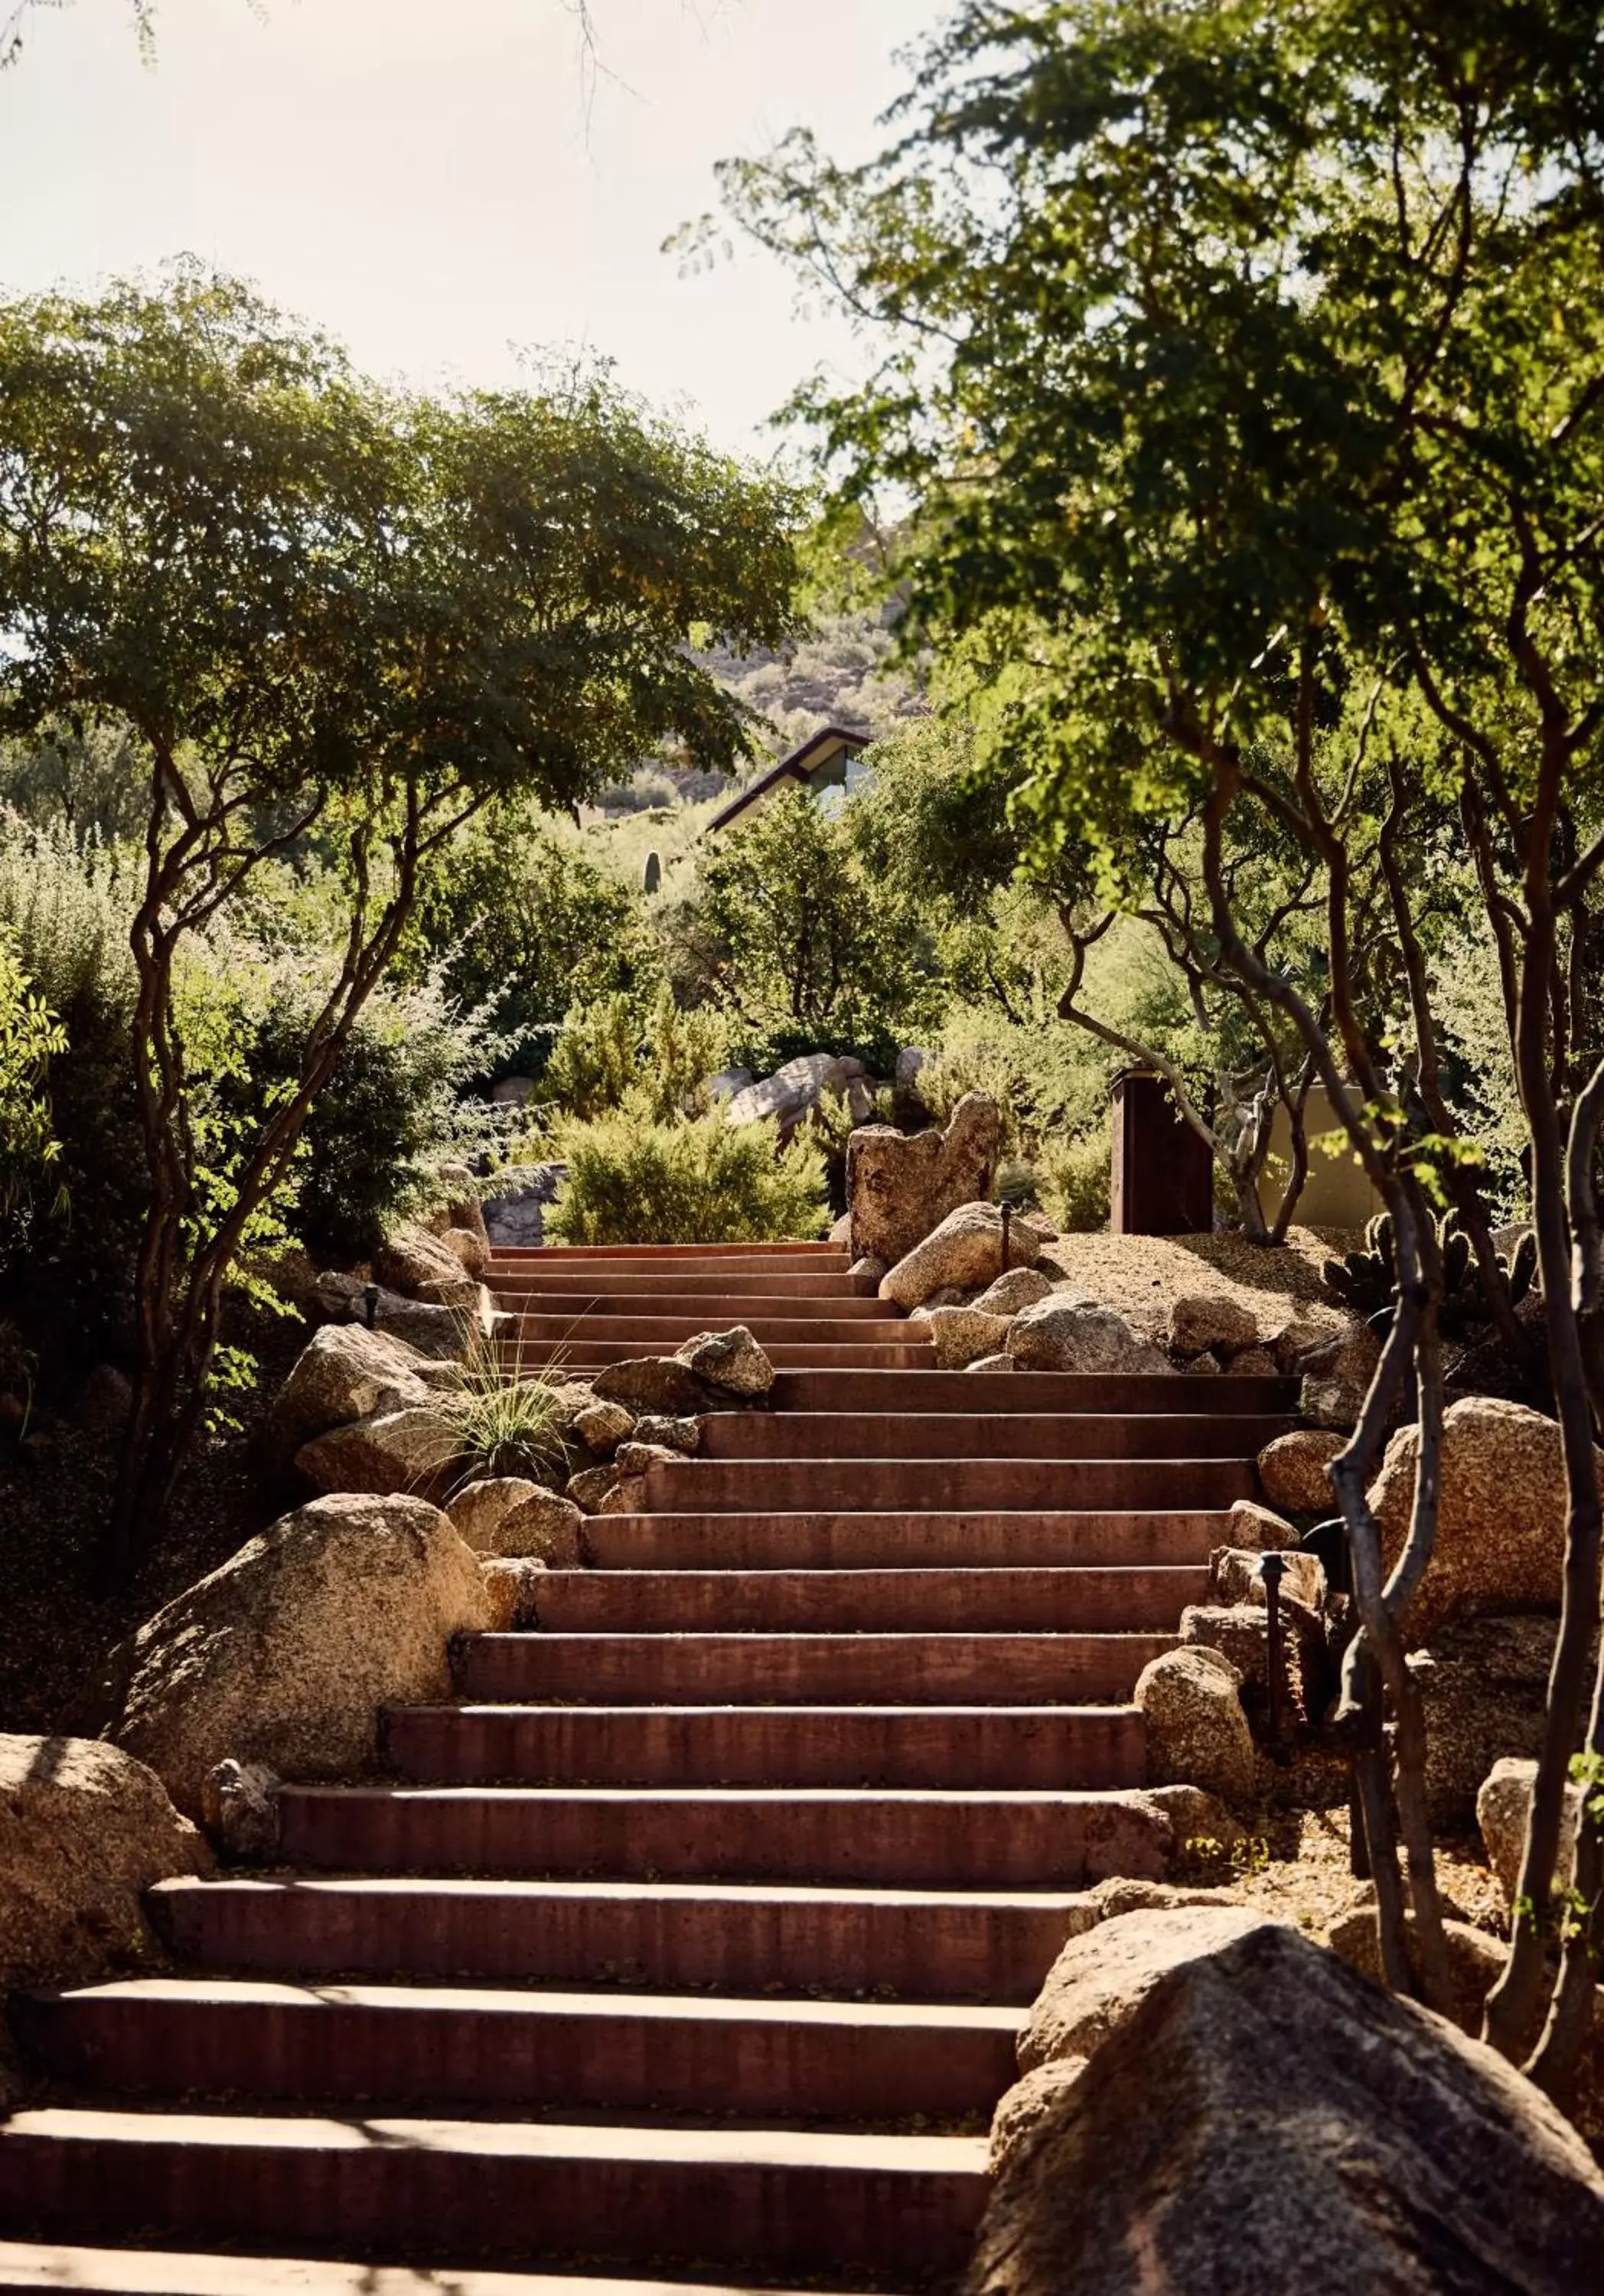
x=1090, y=1598
x=712, y=1310
x=923, y=1839
x=669, y=1254
x=808, y=1486
x=971, y=1746
x=738, y=1937
x=1104, y=1396
x=456, y=2048
x=845, y=1323
x=578, y=1353
x=891, y=1540
x=798, y=1669
x=969, y=1434
x=27, y=2267
x=441, y=2191
x=617, y=1280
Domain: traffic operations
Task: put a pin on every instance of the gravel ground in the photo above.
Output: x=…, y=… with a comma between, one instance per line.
x=1143, y=1275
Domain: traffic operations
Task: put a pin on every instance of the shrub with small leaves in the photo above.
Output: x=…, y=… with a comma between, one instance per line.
x=632, y=1179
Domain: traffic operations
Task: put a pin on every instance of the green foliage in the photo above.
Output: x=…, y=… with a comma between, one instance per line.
x=1366, y=1279
x=658, y=1057
x=30, y=1037
x=635, y=1179
x=505, y=1421
x=813, y=951
x=519, y=922
x=1076, y=1174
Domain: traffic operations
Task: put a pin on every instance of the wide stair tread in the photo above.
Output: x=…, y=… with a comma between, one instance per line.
x=662, y=1946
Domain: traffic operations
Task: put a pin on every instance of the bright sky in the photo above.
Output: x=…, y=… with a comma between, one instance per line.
x=426, y=179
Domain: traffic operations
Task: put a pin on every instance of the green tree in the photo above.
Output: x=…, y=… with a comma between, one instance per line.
x=1247, y=374
x=31, y=1035
x=332, y=613
x=812, y=952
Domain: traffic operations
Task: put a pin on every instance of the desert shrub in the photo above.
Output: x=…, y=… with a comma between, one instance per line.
x=618, y=1047
x=635, y=1179
x=1076, y=1175
x=505, y=1421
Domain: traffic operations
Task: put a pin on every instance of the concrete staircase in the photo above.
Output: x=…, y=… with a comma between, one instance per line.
x=693, y=1938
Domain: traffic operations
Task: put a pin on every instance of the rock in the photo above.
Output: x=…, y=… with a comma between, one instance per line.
x=1237, y=1632
x=1022, y=2107
x=1298, y=1339
x=730, y=1360
x=965, y=1250
x=1120, y=1894
x=1067, y=1333
x=411, y=1258
x=1484, y=1688
x=912, y=1062
x=788, y=1096
x=285, y=1654
x=1021, y=1287
x=470, y=1248
x=478, y=1509
x=1252, y=1525
x=1501, y=1519
x=343, y=1373
x=868, y=1272
x=1201, y=1822
x=841, y=1230
x=682, y=1435
x=438, y=1378
x=413, y=1449
x=992, y=1363
x=240, y=1810
x=514, y=1216
x=543, y=1528
x=460, y=1293
x=901, y=1188
x=590, y=1486
x=1234, y=1576
x=626, y=1497
x=511, y=1092
x=1128, y=1833
x=1210, y=1319
x=727, y=1083
x=1333, y=1394
x=1102, y=1977
x=104, y=1401
x=961, y=1336
x=442, y=1333
x=1503, y=1807
x=512, y=1585
x=860, y=1100
x=84, y=1830
x=1206, y=1363
x=1292, y=1471
x=602, y=1426
x=640, y=1458
x=464, y=1211
x=1258, y=2118
x=656, y=1384
x=1253, y=1363
x=1197, y=1732
x=1475, y=1960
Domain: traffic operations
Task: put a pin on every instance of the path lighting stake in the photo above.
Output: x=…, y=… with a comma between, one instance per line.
x=370, y=1305
x=1007, y=1222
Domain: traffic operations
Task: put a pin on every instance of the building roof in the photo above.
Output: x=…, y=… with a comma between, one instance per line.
x=800, y=767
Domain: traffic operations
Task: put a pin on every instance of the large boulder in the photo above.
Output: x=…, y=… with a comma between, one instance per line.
x=1021, y=1287
x=729, y=1360
x=961, y=1336
x=1502, y=1806
x=412, y=1450
x=1500, y=1517
x=654, y=1384
x=285, y=1654
x=449, y=1335
x=345, y=1372
x=786, y=1097
x=1197, y=1731
x=1336, y=1379
x=411, y=1260
x=1066, y=1333
x=1294, y=1471
x=1484, y=1691
x=508, y=1516
x=901, y=1188
x=1252, y=2117
x=84, y=1830
x=965, y=1250
x=514, y=1216
x=1211, y=1319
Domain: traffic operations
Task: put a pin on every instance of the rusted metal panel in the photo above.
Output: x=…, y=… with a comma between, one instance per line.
x=1163, y=1175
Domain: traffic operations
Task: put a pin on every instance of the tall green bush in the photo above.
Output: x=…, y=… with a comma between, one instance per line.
x=633, y=1180
x=30, y=1037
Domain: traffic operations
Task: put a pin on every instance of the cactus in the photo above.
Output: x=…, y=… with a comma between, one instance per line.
x=651, y=876
x=1366, y=1280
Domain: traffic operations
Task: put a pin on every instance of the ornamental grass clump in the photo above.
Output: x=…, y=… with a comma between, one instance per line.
x=506, y=1418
